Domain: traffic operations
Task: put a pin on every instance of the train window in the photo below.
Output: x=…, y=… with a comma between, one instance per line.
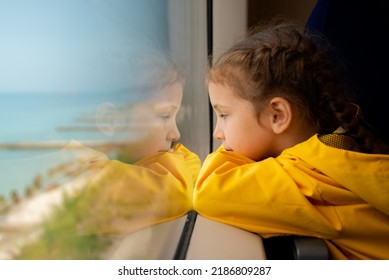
x=91, y=103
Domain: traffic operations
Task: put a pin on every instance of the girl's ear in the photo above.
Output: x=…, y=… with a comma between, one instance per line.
x=280, y=114
x=106, y=115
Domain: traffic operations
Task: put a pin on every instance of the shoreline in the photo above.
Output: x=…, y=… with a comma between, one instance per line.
x=60, y=163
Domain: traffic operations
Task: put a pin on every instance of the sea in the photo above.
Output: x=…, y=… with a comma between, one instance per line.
x=30, y=119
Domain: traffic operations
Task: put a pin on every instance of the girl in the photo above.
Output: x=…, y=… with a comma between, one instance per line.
x=296, y=157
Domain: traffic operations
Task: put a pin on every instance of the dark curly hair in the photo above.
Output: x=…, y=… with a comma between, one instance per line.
x=279, y=59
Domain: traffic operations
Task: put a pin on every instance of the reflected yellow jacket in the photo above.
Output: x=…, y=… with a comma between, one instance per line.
x=125, y=197
x=310, y=189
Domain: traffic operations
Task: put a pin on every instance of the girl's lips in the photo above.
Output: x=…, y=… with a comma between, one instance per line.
x=228, y=149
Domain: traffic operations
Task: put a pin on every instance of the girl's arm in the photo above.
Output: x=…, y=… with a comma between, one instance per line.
x=266, y=197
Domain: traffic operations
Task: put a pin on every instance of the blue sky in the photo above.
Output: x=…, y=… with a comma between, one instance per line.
x=73, y=46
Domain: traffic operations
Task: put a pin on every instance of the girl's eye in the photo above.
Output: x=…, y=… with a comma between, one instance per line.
x=222, y=115
x=165, y=117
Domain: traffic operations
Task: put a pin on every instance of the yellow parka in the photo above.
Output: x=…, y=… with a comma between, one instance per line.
x=311, y=189
x=126, y=197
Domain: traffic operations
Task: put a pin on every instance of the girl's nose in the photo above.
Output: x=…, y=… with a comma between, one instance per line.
x=218, y=133
x=173, y=134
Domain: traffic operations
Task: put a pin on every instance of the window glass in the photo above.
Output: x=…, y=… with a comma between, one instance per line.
x=103, y=112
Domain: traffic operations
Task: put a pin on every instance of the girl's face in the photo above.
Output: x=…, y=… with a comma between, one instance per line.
x=153, y=122
x=238, y=125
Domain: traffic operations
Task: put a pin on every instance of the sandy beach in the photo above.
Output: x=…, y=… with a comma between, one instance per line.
x=20, y=224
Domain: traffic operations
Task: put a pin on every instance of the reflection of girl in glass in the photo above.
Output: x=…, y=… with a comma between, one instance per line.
x=150, y=182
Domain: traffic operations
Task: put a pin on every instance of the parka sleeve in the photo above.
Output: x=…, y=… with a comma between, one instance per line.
x=261, y=197
x=126, y=197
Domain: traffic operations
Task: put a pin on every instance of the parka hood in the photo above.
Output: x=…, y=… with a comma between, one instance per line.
x=366, y=175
